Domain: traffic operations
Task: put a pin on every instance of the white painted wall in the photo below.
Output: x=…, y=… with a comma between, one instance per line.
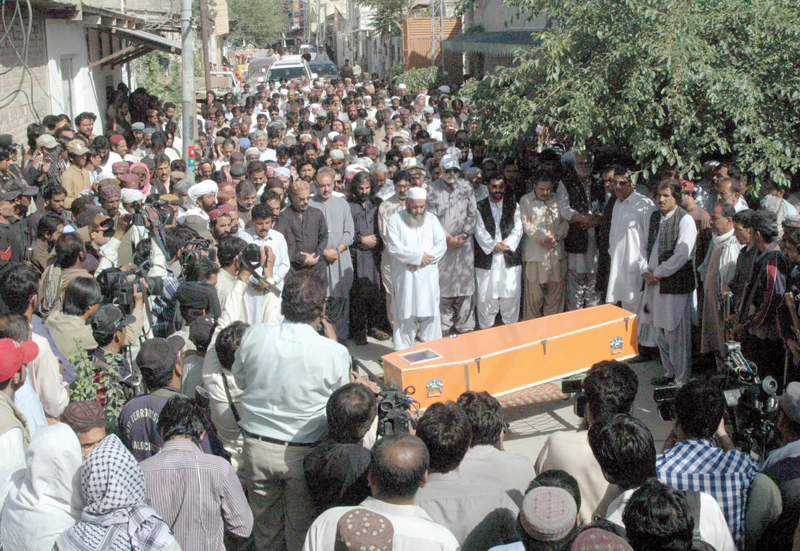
x=68, y=39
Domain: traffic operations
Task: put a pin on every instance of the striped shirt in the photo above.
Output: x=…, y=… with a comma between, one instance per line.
x=699, y=465
x=198, y=495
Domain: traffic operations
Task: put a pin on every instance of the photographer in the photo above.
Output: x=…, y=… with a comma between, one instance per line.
x=110, y=330
x=69, y=326
x=336, y=470
x=690, y=461
x=70, y=253
x=610, y=388
x=228, y=253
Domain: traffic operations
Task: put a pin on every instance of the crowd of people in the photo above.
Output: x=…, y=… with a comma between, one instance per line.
x=173, y=369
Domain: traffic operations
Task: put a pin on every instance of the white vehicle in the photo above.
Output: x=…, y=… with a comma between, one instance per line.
x=312, y=50
x=291, y=68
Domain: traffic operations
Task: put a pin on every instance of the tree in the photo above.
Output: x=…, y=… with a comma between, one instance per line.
x=388, y=15
x=260, y=23
x=675, y=82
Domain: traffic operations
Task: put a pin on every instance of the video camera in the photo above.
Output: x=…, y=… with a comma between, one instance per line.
x=251, y=258
x=751, y=403
x=198, y=247
x=395, y=413
x=574, y=387
x=118, y=286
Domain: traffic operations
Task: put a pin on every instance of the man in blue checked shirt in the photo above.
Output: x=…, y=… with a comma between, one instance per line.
x=691, y=461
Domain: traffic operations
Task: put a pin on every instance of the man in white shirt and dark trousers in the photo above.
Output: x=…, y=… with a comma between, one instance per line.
x=399, y=467
x=282, y=412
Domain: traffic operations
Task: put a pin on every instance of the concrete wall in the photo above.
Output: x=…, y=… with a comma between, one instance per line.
x=67, y=40
x=18, y=111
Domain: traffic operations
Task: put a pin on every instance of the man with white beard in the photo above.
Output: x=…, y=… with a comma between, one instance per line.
x=416, y=243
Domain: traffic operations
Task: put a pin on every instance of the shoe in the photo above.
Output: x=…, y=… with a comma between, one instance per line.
x=360, y=340
x=379, y=335
x=662, y=381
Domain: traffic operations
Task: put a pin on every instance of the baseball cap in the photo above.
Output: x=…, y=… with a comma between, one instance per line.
x=13, y=355
x=109, y=319
x=450, y=161
x=77, y=147
x=159, y=355
x=7, y=142
x=47, y=141
x=8, y=195
x=22, y=187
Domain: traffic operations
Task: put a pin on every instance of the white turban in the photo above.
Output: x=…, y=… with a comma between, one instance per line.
x=203, y=188
x=131, y=196
x=417, y=193
x=281, y=171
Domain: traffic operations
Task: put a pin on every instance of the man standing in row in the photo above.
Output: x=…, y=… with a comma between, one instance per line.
x=670, y=283
x=416, y=244
x=498, y=258
x=336, y=254
x=452, y=201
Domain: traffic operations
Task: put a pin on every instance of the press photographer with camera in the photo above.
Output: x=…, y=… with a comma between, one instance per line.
x=690, y=461
x=70, y=327
x=610, y=388
x=336, y=469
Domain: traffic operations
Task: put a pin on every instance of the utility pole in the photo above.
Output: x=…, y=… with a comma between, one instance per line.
x=204, y=35
x=188, y=102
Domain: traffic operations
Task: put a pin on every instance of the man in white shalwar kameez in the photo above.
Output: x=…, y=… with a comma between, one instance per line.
x=416, y=242
x=670, y=283
x=627, y=247
x=499, y=287
x=262, y=234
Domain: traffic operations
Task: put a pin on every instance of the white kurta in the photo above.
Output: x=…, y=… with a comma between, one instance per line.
x=630, y=223
x=415, y=294
x=666, y=311
x=253, y=299
x=500, y=281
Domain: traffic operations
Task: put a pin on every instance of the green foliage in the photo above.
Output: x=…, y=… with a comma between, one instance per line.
x=91, y=378
x=151, y=70
x=673, y=81
x=388, y=15
x=259, y=23
x=414, y=78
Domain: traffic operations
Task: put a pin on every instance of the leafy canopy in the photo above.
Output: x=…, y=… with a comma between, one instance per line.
x=674, y=81
x=258, y=23
x=388, y=15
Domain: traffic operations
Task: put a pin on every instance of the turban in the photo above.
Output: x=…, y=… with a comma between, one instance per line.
x=281, y=171
x=417, y=193
x=203, y=188
x=84, y=416
x=131, y=196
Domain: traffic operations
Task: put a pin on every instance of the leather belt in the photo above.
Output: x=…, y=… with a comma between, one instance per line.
x=276, y=441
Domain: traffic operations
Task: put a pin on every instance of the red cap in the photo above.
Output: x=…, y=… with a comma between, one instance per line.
x=687, y=186
x=13, y=355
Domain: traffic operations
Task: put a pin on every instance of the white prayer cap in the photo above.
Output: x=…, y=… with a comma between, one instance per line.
x=445, y=89
x=281, y=171
x=395, y=98
x=314, y=106
x=366, y=97
x=428, y=110
x=309, y=136
x=332, y=135
x=456, y=152
x=366, y=162
x=203, y=188
x=105, y=176
x=401, y=86
x=305, y=89
x=269, y=155
x=131, y=196
x=417, y=193
x=284, y=92
x=355, y=168
x=252, y=151
x=336, y=154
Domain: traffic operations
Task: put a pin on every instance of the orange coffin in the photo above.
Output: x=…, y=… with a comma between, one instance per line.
x=513, y=357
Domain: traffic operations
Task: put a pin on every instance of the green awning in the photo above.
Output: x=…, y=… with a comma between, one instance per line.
x=499, y=43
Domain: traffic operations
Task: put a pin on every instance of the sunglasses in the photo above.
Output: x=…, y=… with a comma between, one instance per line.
x=452, y=171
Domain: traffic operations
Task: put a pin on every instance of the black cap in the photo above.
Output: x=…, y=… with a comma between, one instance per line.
x=201, y=330
x=764, y=220
x=7, y=142
x=237, y=169
x=159, y=355
x=22, y=187
x=362, y=132
x=109, y=319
